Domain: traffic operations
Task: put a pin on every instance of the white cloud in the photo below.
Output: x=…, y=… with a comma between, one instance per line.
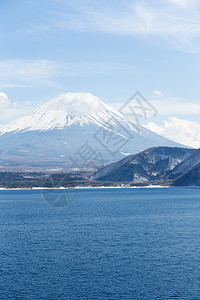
x=4, y=101
x=181, y=131
x=158, y=93
x=9, y=110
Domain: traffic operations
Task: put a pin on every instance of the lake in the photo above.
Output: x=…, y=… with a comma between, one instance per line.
x=106, y=244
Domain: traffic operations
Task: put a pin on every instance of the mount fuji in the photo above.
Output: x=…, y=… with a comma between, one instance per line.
x=72, y=131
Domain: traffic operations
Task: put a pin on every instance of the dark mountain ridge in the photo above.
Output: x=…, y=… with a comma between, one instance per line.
x=158, y=165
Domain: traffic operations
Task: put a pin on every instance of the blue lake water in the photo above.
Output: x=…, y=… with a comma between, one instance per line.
x=107, y=244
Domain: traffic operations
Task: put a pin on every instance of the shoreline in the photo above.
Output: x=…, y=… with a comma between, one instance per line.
x=100, y=187
x=86, y=187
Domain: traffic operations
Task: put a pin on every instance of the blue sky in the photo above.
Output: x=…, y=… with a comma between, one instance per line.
x=108, y=48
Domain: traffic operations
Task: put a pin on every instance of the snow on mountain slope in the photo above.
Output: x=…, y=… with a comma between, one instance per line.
x=72, y=127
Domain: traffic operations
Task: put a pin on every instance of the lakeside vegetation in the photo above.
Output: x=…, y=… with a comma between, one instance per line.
x=11, y=180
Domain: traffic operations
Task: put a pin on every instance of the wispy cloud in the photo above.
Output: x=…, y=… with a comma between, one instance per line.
x=178, y=20
x=185, y=4
x=21, y=73
x=172, y=106
x=168, y=106
x=26, y=72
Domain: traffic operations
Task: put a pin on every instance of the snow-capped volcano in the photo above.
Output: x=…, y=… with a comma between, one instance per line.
x=64, y=111
x=72, y=130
